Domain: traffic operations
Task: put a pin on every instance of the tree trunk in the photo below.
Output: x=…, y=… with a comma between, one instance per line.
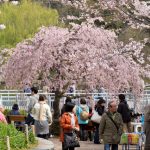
x=56, y=115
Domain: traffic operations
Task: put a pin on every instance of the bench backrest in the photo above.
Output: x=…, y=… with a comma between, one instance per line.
x=20, y=118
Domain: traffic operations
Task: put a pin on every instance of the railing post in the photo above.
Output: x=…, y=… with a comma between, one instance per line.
x=27, y=133
x=13, y=123
x=7, y=142
x=33, y=129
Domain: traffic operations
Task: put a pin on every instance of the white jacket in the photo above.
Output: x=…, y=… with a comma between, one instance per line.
x=45, y=113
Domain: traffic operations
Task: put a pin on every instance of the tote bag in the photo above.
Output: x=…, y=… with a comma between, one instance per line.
x=71, y=140
x=96, y=117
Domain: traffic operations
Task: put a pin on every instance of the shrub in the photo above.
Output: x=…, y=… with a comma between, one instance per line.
x=22, y=23
x=17, y=138
x=22, y=112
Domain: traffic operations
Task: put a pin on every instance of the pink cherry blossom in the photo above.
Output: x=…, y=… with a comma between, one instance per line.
x=82, y=55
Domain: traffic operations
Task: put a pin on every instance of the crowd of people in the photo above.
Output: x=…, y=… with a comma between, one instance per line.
x=77, y=120
x=115, y=120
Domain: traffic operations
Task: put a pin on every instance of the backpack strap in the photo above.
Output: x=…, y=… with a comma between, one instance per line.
x=112, y=121
x=78, y=111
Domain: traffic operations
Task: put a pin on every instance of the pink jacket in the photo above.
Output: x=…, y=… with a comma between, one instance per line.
x=2, y=118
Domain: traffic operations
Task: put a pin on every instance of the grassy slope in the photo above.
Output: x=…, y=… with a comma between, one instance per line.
x=22, y=23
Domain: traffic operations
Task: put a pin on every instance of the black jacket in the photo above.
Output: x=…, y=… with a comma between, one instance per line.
x=100, y=110
x=124, y=110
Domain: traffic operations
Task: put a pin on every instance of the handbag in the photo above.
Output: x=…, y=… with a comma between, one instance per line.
x=71, y=140
x=96, y=117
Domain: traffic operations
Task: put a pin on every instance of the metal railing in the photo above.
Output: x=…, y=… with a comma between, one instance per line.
x=22, y=99
x=8, y=98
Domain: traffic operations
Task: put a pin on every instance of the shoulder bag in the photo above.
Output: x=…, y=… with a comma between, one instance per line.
x=71, y=140
x=96, y=117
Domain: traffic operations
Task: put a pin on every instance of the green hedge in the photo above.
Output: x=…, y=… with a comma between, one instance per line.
x=17, y=138
x=22, y=21
x=21, y=111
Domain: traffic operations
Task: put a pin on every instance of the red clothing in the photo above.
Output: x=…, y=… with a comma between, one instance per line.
x=65, y=124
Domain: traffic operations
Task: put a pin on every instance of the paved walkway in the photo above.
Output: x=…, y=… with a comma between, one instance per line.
x=84, y=145
x=44, y=145
x=55, y=144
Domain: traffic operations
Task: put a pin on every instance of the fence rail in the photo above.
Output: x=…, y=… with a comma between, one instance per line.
x=8, y=98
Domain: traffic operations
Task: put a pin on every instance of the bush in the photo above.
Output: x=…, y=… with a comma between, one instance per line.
x=17, y=138
x=22, y=112
x=22, y=23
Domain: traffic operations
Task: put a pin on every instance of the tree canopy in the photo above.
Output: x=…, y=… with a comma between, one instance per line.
x=84, y=54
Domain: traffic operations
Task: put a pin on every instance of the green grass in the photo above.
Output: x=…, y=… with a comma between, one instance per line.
x=17, y=138
x=22, y=21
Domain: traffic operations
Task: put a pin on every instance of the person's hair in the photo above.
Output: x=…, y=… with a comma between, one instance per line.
x=121, y=97
x=34, y=89
x=15, y=107
x=42, y=97
x=110, y=104
x=82, y=101
x=69, y=107
x=68, y=99
x=101, y=101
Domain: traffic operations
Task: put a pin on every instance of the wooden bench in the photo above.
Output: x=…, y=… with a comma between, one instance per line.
x=20, y=119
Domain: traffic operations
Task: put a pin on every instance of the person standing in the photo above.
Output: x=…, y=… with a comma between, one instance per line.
x=99, y=108
x=82, y=112
x=2, y=117
x=111, y=127
x=27, y=88
x=124, y=110
x=68, y=99
x=68, y=123
x=147, y=127
x=42, y=116
x=33, y=99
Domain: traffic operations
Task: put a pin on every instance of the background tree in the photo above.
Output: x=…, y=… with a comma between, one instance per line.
x=60, y=57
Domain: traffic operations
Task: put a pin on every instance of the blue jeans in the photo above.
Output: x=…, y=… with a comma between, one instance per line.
x=112, y=146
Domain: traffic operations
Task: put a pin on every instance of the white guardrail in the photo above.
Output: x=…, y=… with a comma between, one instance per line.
x=8, y=98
